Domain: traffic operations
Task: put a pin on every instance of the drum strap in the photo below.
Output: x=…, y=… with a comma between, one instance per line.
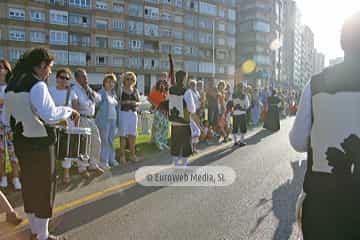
x=67, y=97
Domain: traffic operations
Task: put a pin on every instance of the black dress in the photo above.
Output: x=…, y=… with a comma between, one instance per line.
x=272, y=120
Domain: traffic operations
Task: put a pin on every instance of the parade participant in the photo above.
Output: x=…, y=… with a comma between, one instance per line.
x=212, y=102
x=63, y=95
x=256, y=107
x=181, y=107
x=240, y=104
x=107, y=120
x=161, y=126
x=195, y=123
x=272, y=119
x=331, y=208
x=207, y=133
x=88, y=99
x=12, y=216
x=33, y=112
x=128, y=117
x=200, y=89
x=6, y=134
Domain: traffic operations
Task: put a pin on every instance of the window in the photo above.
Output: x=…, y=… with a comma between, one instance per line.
x=165, y=48
x=179, y=3
x=167, y=2
x=221, y=27
x=101, y=42
x=17, y=13
x=58, y=2
x=207, y=8
x=192, y=5
x=101, y=24
x=135, y=10
x=58, y=37
x=165, y=16
x=221, y=41
x=191, y=66
x=79, y=40
x=101, y=5
x=178, y=34
x=151, y=13
x=135, y=62
x=118, y=25
x=261, y=26
x=77, y=58
x=205, y=38
x=231, y=14
x=190, y=21
x=152, y=1
x=231, y=42
x=135, y=44
x=222, y=12
x=205, y=67
x=164, y=65
x=17, y=35
x=101, y=60
x=136, y=27
x=118, y=43
x=177, y=49
x=118, y=7
x=61, y=57
x=58, y=17
x=37, y=16
x=178, y=19
x=151, y=64
x=15, y=54
x=190, y=36
x=165, y=33
x=205, y=23
x=262, y=59
x=80, y=3
x=151, y=30
x=118, y=61
x=190, y=51
x=79, y=20
x=231, y=28
x=37, y=37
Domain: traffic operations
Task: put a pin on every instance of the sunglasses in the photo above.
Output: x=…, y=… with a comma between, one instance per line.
x=64, y=78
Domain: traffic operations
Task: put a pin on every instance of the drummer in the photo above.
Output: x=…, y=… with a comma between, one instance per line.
x=63, y=95
x=88, y=98
x=33, y=113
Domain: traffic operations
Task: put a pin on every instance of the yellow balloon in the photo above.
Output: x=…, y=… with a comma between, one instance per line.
x=248, y=66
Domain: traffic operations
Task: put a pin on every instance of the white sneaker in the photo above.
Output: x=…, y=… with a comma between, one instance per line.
x=4, y=182
x=17, y=183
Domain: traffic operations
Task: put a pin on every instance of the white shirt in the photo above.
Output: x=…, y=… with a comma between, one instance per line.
x=112, y=106
x=86, y=106
x=301, y=130
x=59, y=96
x=44, y=106
x=190, y=102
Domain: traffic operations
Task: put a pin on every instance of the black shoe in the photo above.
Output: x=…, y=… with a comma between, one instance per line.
x=242, y=144
x=236, y=144
x=52, y=237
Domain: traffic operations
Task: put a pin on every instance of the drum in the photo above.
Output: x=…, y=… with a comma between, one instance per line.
x=73, y=143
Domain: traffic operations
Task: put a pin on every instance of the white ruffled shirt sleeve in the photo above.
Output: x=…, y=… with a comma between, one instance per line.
x=301, y=130
x=44, y=106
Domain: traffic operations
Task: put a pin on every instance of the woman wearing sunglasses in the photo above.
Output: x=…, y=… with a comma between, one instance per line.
x=64, y=96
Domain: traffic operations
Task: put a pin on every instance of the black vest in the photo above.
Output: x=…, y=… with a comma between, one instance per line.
x=176, y=97
x=334, y=147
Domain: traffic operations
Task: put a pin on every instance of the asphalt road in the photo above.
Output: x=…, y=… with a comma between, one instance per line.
x=260, y=204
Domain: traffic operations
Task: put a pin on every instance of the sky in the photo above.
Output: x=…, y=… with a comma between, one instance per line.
x=325, y=18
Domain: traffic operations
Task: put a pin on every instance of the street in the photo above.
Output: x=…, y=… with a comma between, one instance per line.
x=260, y=204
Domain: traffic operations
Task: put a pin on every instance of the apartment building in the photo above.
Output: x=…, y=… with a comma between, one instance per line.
x=120, y=35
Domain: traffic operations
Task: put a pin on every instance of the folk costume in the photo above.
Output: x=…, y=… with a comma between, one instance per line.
x=240, y=104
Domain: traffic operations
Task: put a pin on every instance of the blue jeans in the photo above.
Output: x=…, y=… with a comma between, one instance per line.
x=107, y=135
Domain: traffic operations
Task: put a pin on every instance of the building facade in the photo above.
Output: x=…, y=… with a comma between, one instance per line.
x=307, y=53
x=259, y=30
x=335, y=61
x=121, y=35
x=292, y=43
x=318, y=62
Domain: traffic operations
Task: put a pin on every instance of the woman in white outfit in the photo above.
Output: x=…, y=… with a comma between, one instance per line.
x=128, y=118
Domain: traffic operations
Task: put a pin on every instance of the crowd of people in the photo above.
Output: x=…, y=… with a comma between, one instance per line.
x=198, y=112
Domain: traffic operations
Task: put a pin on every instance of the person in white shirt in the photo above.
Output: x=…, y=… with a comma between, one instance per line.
x=6, y=134
x=63, y=95
x=88, y=99
x=195, y=123
x=106, y=120
x=33, y=116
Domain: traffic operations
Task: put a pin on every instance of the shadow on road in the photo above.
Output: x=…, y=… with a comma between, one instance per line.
x=255, y=139
x=283, y=201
